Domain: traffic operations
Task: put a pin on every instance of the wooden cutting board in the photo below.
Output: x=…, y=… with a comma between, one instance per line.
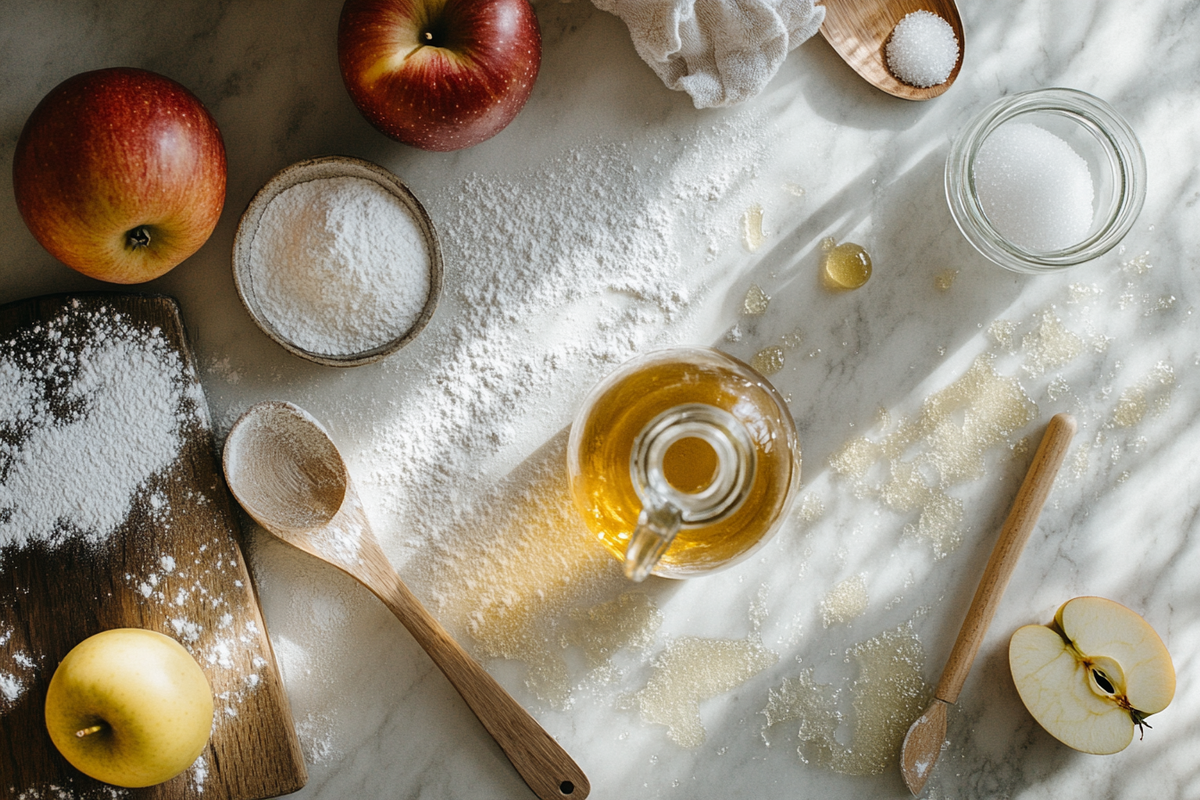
x=81, y=401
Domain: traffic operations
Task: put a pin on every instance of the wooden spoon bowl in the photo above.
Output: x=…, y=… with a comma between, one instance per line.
x=859, y=31
x=287, y=473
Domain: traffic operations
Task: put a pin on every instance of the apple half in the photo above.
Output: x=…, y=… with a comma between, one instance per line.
x=1092, y=675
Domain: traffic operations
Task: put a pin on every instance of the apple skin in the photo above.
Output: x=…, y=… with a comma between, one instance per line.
x=439, y=74
x=1055, y=668
x=116, y=151
x=149, y=697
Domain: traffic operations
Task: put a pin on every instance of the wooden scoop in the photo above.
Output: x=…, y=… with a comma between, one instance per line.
x=923, y=742
x=287, y=473
x=859, y=30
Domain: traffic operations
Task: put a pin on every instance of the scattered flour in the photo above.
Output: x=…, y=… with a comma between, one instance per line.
x=78, y=447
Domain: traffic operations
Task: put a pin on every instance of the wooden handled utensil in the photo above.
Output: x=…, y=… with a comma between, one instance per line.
x=288, y=474
x=923, y=742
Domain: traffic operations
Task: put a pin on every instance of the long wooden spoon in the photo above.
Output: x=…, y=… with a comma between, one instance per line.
x=287, y=473
x=859, y=30
x=923, y=742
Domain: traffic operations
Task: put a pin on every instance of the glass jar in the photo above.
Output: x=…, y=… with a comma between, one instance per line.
x=683, y=461
x=1091, y=128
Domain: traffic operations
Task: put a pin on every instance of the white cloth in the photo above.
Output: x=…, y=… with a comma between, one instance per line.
x=720, y=52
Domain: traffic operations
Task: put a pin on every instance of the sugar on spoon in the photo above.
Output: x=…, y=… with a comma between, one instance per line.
x=923, y=742
x=287, y=473
x=859, y=30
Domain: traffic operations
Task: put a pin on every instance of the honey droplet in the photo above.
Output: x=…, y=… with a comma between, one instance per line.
x=756, y=301
x=945, y=279
x=769, y=360
x=752, y=230
x=846, y=266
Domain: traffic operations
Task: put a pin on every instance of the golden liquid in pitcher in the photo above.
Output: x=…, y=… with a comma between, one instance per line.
x=602, y=442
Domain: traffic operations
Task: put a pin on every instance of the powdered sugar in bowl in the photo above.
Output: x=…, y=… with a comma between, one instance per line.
x=337, y=261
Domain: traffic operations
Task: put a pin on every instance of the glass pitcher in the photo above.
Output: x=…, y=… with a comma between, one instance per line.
x=683, y=461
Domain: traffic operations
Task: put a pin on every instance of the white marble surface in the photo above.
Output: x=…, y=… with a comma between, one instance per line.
x=488, y=538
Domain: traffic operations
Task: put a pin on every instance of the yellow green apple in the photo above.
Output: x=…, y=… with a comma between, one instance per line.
x=1093, y=674
x=130, y=707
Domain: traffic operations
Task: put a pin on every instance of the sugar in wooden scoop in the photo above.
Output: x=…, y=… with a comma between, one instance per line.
x=922, y=50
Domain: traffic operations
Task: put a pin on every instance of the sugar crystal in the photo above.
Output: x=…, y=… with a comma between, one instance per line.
x=922, y=50
x=1034, y=188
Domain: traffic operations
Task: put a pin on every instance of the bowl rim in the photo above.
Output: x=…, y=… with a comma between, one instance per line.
x=320, y=168
x=1113, y=131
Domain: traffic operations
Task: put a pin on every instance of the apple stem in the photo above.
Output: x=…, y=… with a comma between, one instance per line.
x=89, y=731
x=138, y=237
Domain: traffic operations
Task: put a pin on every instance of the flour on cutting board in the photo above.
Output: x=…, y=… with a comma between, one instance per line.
x=15, y=674
x=75, y=446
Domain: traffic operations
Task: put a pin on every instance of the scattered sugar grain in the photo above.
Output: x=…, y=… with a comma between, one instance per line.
x=922, y=49
x=756, y=302
x=845, y=601
x=887, y=696
x=1036, y=191
x=769, y=360
x=693, y=669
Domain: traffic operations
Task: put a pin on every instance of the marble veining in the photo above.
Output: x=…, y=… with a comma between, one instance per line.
x=489, y=539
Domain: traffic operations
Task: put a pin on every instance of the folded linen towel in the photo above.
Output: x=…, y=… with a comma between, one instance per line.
x=720, y=52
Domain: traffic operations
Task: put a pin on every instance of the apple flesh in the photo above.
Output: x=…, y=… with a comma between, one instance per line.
x=439, y=74
x=120, y=174
x=130, y=707
x=1093, y=674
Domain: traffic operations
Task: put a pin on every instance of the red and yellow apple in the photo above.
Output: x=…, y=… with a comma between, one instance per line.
x=1093, y=674
x=120, y=174
x=130, y=707
x=439, y=74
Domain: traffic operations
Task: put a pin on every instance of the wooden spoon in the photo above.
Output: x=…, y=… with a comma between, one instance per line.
x=859, y=30
x=287, y=473
x=923, y=742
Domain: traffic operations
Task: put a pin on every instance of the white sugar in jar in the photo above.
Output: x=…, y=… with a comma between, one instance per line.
x=1044, y=180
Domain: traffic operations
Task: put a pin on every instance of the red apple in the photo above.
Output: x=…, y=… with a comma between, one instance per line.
x=439, y=74
x=120, y=174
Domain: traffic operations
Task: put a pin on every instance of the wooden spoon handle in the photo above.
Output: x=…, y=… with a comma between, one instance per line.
x=1017, y=527
x=546, y=767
